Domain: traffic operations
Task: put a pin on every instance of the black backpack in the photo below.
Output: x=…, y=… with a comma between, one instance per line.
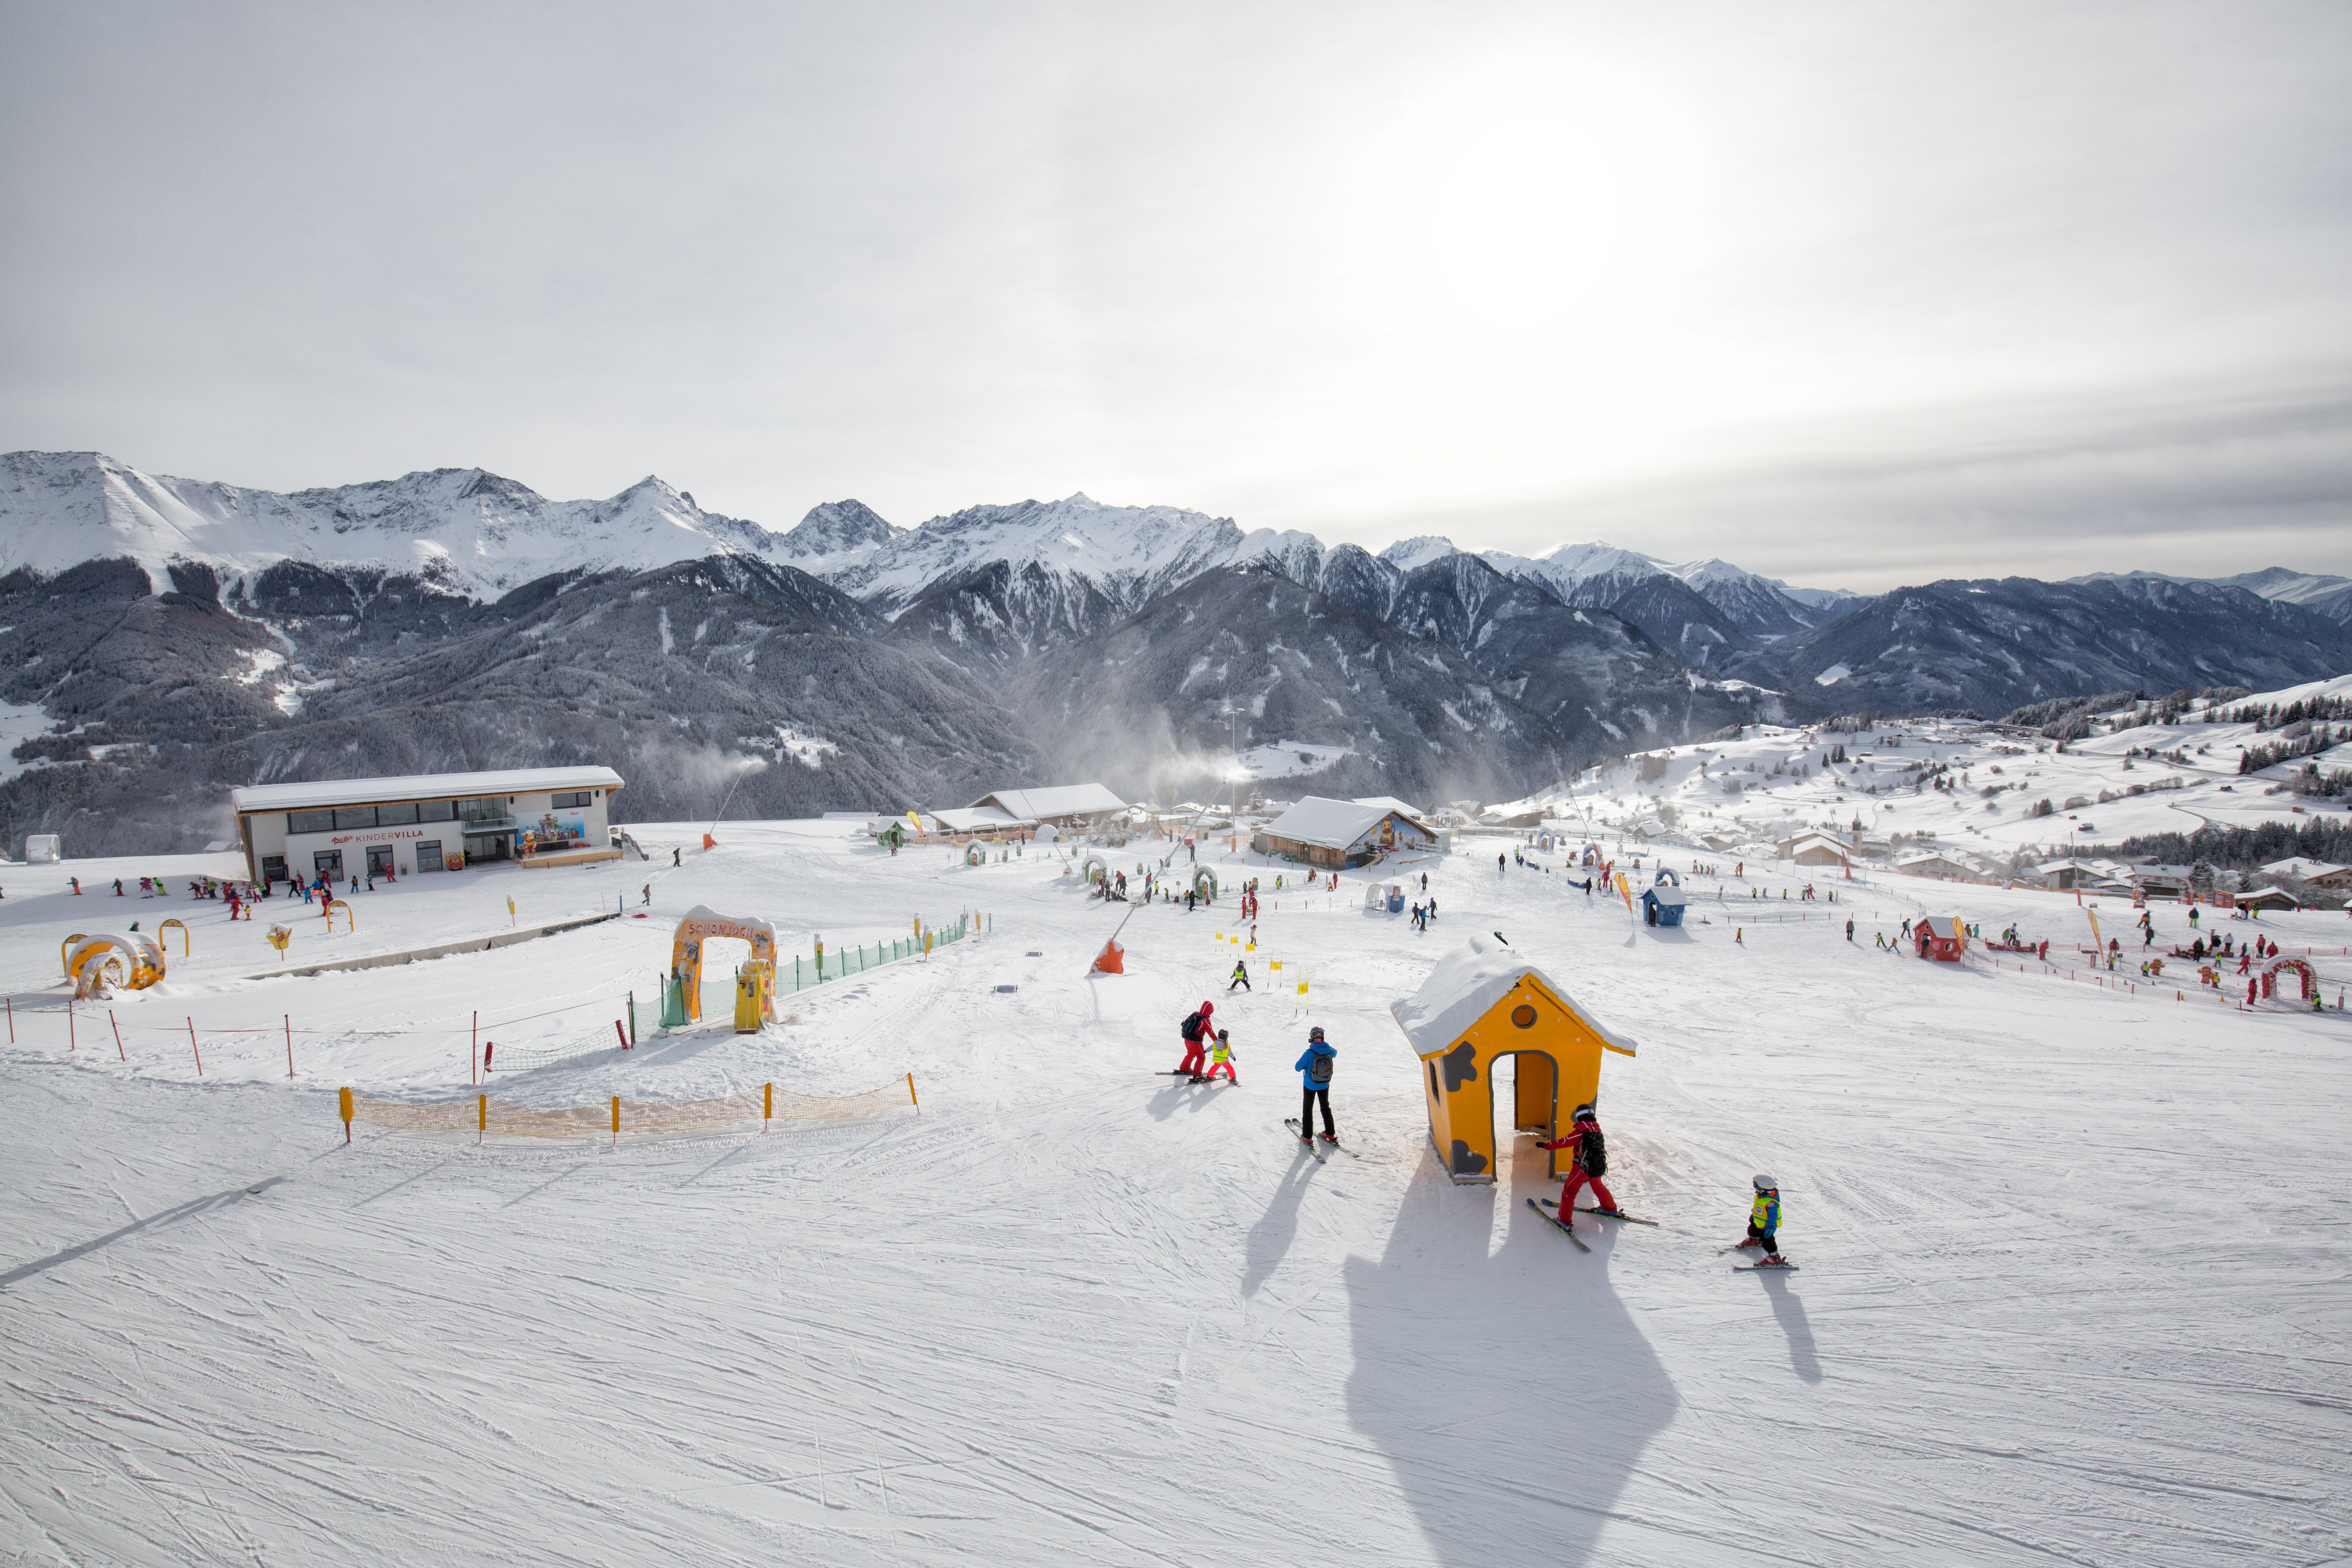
x=1190, y=1027
x=1592, y=1152
x=1318, y=1068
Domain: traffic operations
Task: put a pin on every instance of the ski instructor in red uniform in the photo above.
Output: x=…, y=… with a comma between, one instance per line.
x=1196, y=1032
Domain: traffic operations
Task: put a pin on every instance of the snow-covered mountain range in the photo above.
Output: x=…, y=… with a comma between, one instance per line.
x=196, y=629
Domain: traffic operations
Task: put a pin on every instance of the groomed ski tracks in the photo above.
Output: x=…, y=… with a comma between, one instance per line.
x=1320, y=1157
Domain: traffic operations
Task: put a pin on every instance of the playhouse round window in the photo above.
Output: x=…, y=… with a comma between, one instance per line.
x=1523, y=1016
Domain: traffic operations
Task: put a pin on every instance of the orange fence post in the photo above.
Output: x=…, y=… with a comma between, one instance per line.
x=347, y=1113
x=910, y=1095
x=767, y=1105
x=118, y=1034
x=617, y=1121
x=483, y=1109
x=192, y=1046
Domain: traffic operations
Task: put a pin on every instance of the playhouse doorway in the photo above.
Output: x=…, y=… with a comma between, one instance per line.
x=1526, y=1088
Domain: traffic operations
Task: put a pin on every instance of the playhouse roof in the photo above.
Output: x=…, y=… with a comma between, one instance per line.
x=1666, y=893
x=1943, y=927
x=1465, y=984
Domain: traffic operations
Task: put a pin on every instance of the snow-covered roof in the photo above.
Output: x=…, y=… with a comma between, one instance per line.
x=1330, y=824
x=419, y=787
x=1054, y=800
x=980, y=819
x=1390, y=803
x=2306, y=870
x=1923, y=857
x=1666, y=893
x=1943, y=926
x=1465, y=984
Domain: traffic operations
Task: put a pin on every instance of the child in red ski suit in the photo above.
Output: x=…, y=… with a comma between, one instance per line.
x=1590, y=1163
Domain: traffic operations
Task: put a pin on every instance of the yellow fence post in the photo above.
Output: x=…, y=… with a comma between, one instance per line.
x=767, y=1105
x=482, y=1111
x=347, y=1113
x=910, y=1095
x=617, y=1121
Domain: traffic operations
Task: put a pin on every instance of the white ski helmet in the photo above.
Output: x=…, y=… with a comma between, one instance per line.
x=1766, y=1184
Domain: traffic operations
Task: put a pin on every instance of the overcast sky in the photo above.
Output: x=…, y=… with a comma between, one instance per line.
x=1854, y=295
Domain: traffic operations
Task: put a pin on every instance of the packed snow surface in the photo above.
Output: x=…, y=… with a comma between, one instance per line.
x=2074, y=1286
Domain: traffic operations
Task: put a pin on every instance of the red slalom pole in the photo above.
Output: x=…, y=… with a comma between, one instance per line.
x=192, y=1046
x=118, y=1034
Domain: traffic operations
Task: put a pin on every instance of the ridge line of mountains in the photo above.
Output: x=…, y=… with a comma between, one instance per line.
x=163, y=638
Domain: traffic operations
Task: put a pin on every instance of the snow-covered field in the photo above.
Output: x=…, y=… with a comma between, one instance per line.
x=2076, y=1272
x=1773, y=780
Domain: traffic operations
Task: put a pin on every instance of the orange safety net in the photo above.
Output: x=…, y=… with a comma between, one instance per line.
x=611, y=1118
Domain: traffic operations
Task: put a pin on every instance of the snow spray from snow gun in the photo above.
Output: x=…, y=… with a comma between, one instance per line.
x=745, y=769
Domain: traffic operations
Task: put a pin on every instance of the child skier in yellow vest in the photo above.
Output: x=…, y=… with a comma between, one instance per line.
x=1220, y=1057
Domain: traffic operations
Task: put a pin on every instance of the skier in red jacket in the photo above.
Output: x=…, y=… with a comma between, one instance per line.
x=1197, y=1032
x=1591, y=1164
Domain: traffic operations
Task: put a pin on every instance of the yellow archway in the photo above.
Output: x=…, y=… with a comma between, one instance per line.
x=699, y=925
x=167, y=925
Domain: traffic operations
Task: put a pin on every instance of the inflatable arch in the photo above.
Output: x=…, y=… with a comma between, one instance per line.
x=167, y=925
x=700, y=924
x=2270, y=975
x=66, y=951
x=1092, y=867
x=1205, y=882
x=107, y=962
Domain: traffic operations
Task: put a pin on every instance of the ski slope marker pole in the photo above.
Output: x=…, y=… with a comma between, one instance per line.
x=474, y=1053
x=289, y=1045
x=192, y=1046
x=910, y=1095
x=118, y=1034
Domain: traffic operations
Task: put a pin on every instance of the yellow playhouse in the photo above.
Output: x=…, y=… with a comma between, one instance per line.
x=1482, y=1003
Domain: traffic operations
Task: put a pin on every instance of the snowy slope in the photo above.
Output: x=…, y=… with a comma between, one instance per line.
x=2126, y=779
x=461, y=530
x=1074, y=1312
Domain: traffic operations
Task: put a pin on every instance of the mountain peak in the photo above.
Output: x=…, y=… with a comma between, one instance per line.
x=1419, y=551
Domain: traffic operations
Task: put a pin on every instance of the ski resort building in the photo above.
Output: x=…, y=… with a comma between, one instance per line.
x=1815, y=849
x=433, y=822
x=1340, y=833
x=2319, y=873
x=1077, y=807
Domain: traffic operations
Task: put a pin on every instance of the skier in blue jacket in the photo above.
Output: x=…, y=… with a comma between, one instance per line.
x=1314, y=1082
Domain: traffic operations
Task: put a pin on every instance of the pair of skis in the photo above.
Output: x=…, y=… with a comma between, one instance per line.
x=1314, y=1146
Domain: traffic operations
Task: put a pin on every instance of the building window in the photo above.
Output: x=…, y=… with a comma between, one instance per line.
x=328, y=864
x=354, y=816
x=273, y=868
x=492, y=809
x=428, y=855
x=394, y=816
x=573, y=798
x=436, y=810
x=310, y=821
